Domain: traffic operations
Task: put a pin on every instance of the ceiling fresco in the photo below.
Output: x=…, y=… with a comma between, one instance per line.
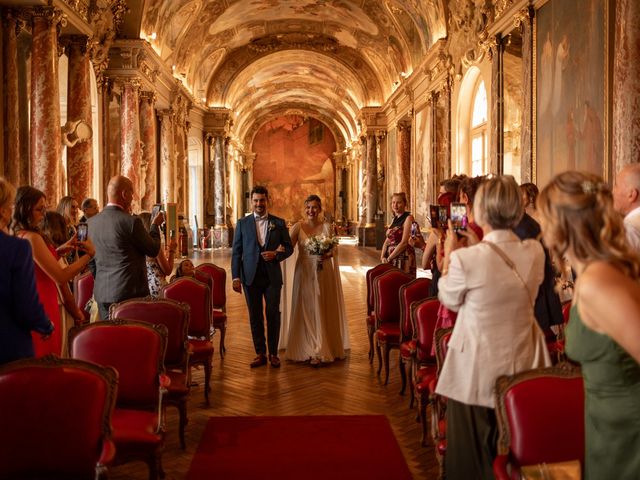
x=322, y=57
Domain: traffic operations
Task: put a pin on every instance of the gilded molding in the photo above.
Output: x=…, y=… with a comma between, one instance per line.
x=81, y=7
x=502, y=6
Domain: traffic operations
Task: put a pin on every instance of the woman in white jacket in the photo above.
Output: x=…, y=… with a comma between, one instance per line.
x=492, y=285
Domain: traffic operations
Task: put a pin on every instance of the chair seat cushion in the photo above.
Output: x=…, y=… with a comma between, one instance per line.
x=425, y=372
x=201, y=350
x=389, y=333
x=408, y=349
x=178, y=385
x=133, y=428
x=219, y=319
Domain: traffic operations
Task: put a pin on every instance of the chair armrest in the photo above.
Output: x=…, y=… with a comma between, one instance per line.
x=500, y=467
x=107, y=455
x=165, y=381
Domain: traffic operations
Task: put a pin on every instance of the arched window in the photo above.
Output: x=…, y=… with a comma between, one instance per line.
x=479, y=137
x=196, y=186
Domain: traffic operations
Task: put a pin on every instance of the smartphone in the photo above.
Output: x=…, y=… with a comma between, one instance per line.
x=415, y=229
x=157, y=208
x=82, y=232
x=434, y=215
x=459, y=218
x=443, y=216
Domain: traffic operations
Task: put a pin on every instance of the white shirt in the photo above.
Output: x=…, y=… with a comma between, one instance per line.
x=632, y=227
x=261, y=227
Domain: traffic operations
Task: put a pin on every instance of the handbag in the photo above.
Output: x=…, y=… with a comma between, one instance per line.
x=552, y=471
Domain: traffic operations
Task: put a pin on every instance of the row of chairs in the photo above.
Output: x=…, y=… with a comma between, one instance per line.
x=400, y=315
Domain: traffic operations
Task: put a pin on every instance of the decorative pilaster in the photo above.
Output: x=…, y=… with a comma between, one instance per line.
x=626, y=85
x=130, y=138
x=45, y=105
x=404, y=158
x=79, y=156
x=219, y=183
x=528, y=168
x=11, y=105
x=149, y=161
x=167, y=182
x=496, y=137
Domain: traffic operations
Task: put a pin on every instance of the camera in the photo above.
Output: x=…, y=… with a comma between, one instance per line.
x=157, y=208
x=82, y=232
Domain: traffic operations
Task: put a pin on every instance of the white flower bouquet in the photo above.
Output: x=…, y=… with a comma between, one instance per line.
x=319, y=245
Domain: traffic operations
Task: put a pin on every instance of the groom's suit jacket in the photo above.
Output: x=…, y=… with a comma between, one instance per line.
x=246, y=249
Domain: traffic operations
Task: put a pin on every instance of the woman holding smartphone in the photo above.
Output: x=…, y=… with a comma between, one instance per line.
x=396, y=249
x=159, y=267
x=28, y=215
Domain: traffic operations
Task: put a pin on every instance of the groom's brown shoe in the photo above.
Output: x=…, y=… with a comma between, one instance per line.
x=275, y=361
x=259, y=361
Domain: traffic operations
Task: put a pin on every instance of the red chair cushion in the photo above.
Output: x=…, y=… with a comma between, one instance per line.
x=408, y=349
x=425, y=316
x=83, y=291
x=386, y=289
x=134, y=427
x=546, y=420
x=413, y=291
x=388, y=333
x=53, y=418
x=218, y=293
x=201, y=350
x=219, y=319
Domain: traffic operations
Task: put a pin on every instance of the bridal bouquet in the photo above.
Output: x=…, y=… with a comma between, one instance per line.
x=319, y=245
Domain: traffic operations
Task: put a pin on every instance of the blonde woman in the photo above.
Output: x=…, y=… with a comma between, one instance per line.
x=578, y=221
x=396, y=248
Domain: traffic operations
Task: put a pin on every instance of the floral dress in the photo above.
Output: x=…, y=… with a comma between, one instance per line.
x=155, y=277
x=406, y=261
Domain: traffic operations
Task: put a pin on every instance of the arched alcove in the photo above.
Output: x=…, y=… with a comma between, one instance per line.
x=472, y=120
x=196, y=185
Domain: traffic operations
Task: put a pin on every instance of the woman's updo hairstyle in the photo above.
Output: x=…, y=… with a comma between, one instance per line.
x=313, y=198
x=577, y=214
x=498, y=203
x=531, y=192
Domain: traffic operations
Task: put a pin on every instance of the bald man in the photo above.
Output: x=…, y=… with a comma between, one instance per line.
x=121, y=243
x=626, y=200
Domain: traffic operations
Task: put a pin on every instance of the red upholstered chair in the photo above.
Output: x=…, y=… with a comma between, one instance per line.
x=136, y=350
x=386, y=309
x=372, y=273
x=55, y=418
x=424, y=314
x=198, y=296
x=83, y=291
x=439, y=404
x=540, y=419
x=413, y=291
x=175, y=317
x=218, y=299
x=556, y=343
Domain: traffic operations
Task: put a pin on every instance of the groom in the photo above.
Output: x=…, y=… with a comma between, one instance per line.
x=255, y=265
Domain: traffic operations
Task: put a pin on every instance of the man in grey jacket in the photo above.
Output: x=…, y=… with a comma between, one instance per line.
x=121, y=243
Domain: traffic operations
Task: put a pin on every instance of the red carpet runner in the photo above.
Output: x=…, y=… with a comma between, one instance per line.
x=305, y=447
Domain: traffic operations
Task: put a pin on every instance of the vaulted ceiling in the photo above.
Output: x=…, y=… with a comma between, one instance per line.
x=261, y=58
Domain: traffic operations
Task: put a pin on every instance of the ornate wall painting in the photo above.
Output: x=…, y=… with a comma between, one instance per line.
x=571, y=85
x=291, y=168
x=393, y=172
x=423, y=177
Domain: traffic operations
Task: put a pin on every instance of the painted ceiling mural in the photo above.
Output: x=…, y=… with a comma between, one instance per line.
x=326, y=58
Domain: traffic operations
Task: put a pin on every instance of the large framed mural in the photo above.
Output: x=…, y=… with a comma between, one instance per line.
x=571, y=84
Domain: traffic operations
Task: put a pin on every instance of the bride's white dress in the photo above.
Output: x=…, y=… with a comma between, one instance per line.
x=317, y=323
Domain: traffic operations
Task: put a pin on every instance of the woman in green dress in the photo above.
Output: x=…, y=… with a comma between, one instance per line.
x=603, y=335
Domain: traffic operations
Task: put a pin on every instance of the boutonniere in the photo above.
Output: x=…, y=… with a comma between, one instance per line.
x=272, y=226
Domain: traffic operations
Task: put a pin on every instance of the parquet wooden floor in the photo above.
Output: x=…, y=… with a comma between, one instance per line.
x=349, y=387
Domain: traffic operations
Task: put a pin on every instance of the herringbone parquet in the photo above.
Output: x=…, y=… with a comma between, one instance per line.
x=349, y=387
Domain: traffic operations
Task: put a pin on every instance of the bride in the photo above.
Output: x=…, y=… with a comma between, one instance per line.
x=318, y=326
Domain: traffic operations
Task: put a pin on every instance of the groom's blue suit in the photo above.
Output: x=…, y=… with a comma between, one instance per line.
x=261, y=279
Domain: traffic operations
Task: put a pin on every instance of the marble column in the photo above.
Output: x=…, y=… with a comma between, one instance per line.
x=339, y=186
x=167, y=182
x=130, y=138
x=366, y=230
x=404, y=158
x=24, y=93
x=218, y=181
x=11, y=105
x=626, y=85
x=149, y=161
x=527, y=168
x=496, y=102
x=45, y=103
x=208, y=179
x=80, y=156
x=180, y=165
x=446, y=125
